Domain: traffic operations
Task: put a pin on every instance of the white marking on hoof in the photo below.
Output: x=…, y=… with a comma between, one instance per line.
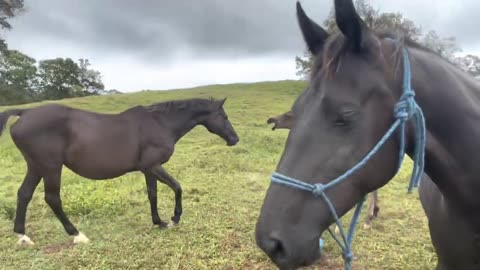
x=24, y=240
x=366, y=226
x=337, y=230
x=172, y=224
x=80, y=239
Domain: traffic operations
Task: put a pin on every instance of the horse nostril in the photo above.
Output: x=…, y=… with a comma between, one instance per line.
x=275, y=248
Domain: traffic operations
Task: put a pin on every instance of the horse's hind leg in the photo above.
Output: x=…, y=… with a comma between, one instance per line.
x=52, y=197
x=372, y=210
x=167, y=179
x=151, y=181
x=24, y=196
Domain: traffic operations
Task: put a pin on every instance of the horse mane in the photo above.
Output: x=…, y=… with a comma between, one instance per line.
x=337, y=46
x=196, y=105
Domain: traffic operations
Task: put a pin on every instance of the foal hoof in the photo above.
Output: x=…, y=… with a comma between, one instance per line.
x=337, y=230
x=366, y=226
x=175, y=221
x=80, y=239
x=162, y=225
x=172, y=224
x=24, y=240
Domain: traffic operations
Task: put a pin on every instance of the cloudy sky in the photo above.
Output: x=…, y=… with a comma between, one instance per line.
x=165, y=44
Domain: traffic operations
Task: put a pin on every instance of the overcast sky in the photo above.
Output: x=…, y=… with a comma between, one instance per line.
x=165, y=44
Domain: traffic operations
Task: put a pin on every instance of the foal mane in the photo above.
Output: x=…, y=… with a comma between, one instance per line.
x=196, y=105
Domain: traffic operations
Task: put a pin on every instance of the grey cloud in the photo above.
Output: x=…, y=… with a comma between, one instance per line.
x=156, y=30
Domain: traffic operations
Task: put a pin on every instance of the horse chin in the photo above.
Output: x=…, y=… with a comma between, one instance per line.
x=232, y=142
x=310, y=260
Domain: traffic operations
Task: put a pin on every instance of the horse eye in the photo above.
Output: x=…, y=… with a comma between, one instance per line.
x=344, y=118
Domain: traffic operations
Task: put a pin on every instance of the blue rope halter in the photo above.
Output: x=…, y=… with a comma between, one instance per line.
x=405, y=109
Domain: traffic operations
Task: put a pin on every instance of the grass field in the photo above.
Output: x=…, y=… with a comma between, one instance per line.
x=223, y=191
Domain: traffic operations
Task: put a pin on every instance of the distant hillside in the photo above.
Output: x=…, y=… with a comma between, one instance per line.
x=278, y=94
x=109, y=92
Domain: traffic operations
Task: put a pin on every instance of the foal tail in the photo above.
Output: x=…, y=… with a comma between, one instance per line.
x=6, y=114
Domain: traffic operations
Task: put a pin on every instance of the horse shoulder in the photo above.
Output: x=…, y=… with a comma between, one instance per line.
x=156, y=145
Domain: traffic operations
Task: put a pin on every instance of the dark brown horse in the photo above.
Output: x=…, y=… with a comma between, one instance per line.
x=104, y=146
x=356, y=82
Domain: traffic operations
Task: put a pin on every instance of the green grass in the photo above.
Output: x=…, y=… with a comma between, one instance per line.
x=223, y=190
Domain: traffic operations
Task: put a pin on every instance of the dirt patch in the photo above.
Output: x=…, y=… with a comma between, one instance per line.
x=55, y=248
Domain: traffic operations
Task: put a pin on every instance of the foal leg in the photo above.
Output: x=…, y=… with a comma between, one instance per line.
x=372, y=210
x=52, y=197
x=24, y=196
x=167, y=179
x=151, y=181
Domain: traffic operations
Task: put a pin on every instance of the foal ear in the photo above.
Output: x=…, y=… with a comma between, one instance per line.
x=350, y=23
x=312, y=33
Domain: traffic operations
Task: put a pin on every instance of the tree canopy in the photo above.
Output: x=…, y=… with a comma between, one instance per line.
x=382, y=21
x=23, y=80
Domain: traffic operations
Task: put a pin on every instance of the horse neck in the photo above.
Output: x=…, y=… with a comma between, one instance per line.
x=180, y=122
x=449, y=99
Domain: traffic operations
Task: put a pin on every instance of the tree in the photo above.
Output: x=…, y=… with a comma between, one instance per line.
x=22, y=81
x=8, y=9
x=446, y=47
x=378, y=22
x=59, y=78
x=89, y=78
x=18, y=75
x=469, y=63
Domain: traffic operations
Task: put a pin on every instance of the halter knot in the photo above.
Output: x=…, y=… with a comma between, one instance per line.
x=406, y=106
x=318, y=190
x=347, y=256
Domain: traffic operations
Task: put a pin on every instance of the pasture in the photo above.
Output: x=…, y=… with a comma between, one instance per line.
x=223, y=191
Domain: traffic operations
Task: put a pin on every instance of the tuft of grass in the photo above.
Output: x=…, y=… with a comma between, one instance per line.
x=223, y=190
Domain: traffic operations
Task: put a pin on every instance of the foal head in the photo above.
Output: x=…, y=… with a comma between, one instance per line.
x=216, y=121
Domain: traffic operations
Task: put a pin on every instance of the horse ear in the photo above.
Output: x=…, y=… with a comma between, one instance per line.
x=221, y=102
x=312, y=33
x=350, y=23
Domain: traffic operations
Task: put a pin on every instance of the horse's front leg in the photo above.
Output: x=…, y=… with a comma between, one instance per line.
x=151, y=181
x=167, y=179
x=150, y=163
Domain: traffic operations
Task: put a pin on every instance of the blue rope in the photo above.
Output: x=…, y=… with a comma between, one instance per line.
x=405, y=109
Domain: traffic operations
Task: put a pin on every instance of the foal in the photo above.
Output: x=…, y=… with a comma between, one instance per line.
x=104, y=146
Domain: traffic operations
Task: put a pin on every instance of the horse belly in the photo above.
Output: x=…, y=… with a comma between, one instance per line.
x=99, y=158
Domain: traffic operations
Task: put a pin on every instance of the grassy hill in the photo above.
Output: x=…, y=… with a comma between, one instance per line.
x=223, y=191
